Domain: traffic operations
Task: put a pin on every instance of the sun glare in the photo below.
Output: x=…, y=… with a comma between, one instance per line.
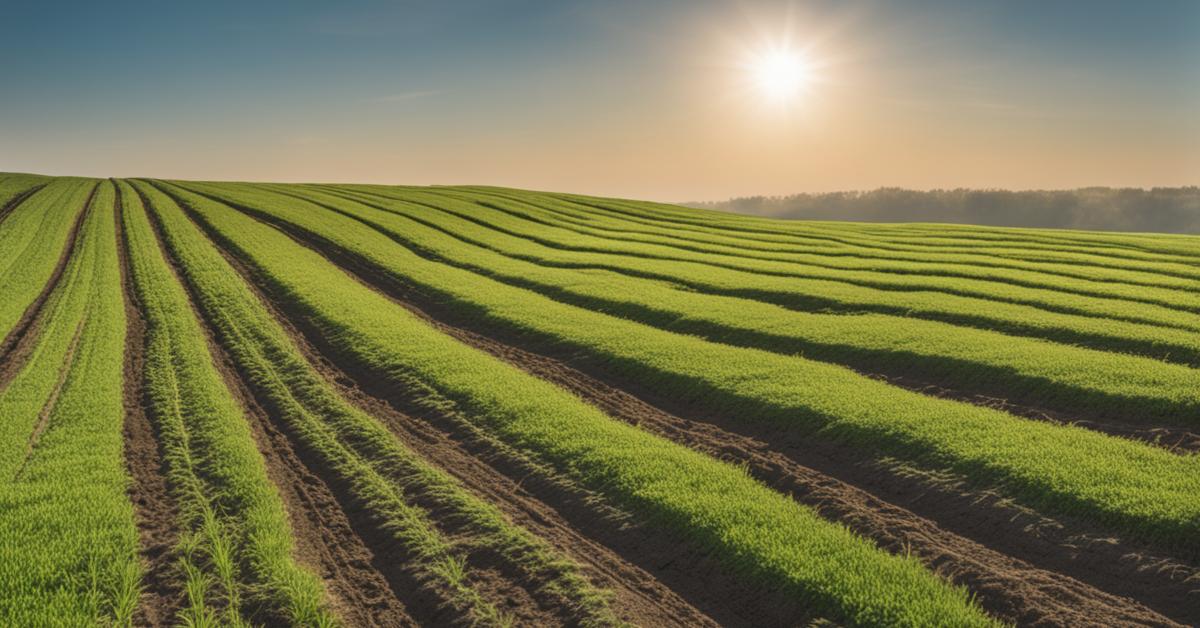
x=780, y=74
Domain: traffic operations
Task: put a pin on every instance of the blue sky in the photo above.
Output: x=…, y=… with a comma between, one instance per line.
x=643, y=99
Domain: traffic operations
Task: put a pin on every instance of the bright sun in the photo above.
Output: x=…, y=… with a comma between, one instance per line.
x=780, y=74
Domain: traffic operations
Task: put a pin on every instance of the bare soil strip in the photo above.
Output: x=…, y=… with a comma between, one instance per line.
x=1025, y=567
x=16, y=201
x=657, y=579
x=19, y=343
x=328, y=539
x=155, y=509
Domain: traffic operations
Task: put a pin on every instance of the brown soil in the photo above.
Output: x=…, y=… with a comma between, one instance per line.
x=1010, y=587
x=656, y=579
x=1025, y=567
x=569, y=519
x=325, y=540
x=531, y=496
x=1179, y=440
x=363, y=585
x=155, y=509
x=1173, y=438
x=16, y=201
x=19, y=343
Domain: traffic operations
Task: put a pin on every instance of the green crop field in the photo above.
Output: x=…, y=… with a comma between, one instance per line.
x=254, y=404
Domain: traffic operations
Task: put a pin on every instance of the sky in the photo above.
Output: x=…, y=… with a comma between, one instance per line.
x=646, y=99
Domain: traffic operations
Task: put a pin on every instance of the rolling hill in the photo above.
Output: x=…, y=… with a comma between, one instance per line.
x=315, y=405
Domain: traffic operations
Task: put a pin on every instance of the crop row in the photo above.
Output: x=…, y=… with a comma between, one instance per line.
x=33, y=237
x=1097, y=280
x=1003, y=283
x=15, y=187
x=1075, y=381
x=234, y=530
x=1138, y=305
x=868, y=239
x=752, y=529
x=1137, y=249
x=398, y=488
x=1061, y=468
x=1178, y=345
x=68, y=544
x=858, y=237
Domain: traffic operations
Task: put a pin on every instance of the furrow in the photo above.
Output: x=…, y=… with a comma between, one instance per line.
x=888, y=271
x=16, y=201
x=819, y=296
x=1010, y=587
x=774, y=230
x=584, y=215
x=324, y=538
x=889, y=235
x=67, y=528
x=17, y=345
x=355, y=574
x=1028, y=579
x=1167, y=309
x=573, y=519
x=669, y=510
x=1133, y=494
x=1182, y=440
x=505, y=563
x=43, y=417
x=399, y=565
x=1074, y=386
x=156, y=512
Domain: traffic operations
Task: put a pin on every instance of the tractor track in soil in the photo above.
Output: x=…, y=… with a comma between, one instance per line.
x=1025, y=567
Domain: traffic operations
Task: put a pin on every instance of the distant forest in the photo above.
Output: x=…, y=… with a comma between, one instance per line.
x=1166, y=210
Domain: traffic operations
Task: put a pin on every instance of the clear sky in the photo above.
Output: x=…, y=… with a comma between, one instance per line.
x=648, y=99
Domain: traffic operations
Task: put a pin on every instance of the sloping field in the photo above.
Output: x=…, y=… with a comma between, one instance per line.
x=318, y=405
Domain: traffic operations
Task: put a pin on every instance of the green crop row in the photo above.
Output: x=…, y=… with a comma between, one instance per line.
x=1137, y=248
x=871, y=236
x=1126, y=484
x=33, y=238
x=235, y=531
x=13, y=186
x=383, y=473
x=1047, y=375
x=1097, y=281
x=1176, y=345
x=68, y=543
x=1164, y=244
x=503, y=217
x=1171, y=344
x=716, y=506
x=983, y=278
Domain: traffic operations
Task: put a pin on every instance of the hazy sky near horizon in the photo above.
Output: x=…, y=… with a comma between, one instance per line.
x=645, y=99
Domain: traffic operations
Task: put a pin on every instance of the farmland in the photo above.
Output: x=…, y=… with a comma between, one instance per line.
x=256, y=404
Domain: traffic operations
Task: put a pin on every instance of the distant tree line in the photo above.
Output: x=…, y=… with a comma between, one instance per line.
x=1167, y=210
